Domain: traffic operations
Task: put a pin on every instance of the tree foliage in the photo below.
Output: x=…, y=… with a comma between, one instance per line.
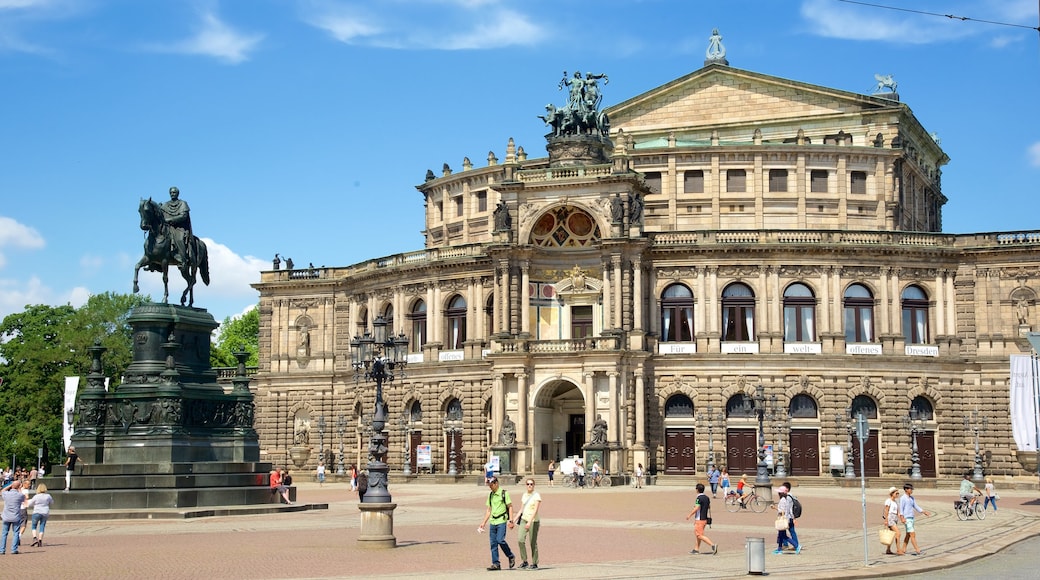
x=235, y=334
x=42, y=345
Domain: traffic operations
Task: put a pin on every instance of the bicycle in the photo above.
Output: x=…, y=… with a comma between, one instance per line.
x=601, y=480
x=735, y=503
x=972, y=507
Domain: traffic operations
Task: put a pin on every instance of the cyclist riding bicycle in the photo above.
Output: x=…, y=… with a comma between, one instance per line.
x=969, y=491
x=740, y=488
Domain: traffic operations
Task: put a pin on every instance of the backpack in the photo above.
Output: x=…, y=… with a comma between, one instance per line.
x=796, y=507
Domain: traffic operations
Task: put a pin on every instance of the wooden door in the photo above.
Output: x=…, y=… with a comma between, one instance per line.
x=741, y=452
x=680, y=452
x=805, y=452
x=871, y=455
x=926, y=453
x=414, y=440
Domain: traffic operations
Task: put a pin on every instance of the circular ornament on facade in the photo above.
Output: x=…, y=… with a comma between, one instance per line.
x=545, y=225
x=580, y=224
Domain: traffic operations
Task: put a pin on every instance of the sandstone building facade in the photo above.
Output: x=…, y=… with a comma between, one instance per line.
x=739, y=236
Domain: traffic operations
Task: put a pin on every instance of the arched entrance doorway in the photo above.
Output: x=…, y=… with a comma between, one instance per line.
x=559, y=421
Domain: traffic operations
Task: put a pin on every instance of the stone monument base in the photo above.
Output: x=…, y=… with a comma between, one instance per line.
x=377, y=525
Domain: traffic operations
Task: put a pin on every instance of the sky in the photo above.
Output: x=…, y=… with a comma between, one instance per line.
x=301, y=127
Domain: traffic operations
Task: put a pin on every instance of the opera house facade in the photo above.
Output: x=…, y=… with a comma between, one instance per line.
x=727, y=252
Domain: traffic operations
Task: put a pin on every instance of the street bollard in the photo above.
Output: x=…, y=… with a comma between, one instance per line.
x=756, y=555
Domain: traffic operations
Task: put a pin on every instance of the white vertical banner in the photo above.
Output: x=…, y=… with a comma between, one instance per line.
x=71, y=386
x=1023, y=402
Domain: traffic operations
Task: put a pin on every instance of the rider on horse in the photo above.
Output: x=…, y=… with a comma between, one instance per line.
x=177, y=216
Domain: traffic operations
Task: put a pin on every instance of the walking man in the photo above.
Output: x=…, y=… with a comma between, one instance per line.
x=701, y=509
x=12, y=515
x=908, y=508
x=499, y=514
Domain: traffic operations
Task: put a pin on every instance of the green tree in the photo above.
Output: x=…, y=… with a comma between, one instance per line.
x=42, y=345
x=241, y=332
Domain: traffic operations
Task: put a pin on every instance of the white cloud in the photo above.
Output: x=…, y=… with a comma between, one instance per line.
x=230, y=277
x=1034, y=154
x=91, y=263
x=77, y=296
x=217, y=39
x=426, y=25
x=15, y=295
x=17, y=235
x=19, y=4
x=838, y=20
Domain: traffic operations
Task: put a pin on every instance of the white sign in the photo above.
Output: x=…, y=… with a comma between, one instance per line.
x=450, y=356
x=423, y=456
x=676, y=348
x=71, y=385
x=837, y=457
x=740, y=348
x=919, y=350
x=803, y=348
x=874, y=349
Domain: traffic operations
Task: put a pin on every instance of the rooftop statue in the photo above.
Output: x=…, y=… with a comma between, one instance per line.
x=885, y=82
x=169, y=241
x=581, y=114
x=716, y=53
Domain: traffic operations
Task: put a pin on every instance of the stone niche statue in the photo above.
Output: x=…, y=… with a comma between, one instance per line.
x=503, y=221
x=599, y=431
x=507, y=436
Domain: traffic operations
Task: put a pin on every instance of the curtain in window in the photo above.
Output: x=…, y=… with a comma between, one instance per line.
x=687, y=323
x=866, y=321
x=749, y=323
x=727, y=332
x=807, y=324
x=667, y=323
x=455, y=333
x=920, y=323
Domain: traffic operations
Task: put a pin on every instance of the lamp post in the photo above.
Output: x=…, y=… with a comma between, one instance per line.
x=710, y=421
x=976, y=423
x=341, y=427
x=321, y=438
x=915, y=423
x=375, y=357
x=557, y=440
x=845, y=422
x=780, y=424
x=762, y=477
x=453, y=468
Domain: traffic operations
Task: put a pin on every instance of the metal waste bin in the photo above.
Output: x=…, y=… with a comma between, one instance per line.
x=756, y=555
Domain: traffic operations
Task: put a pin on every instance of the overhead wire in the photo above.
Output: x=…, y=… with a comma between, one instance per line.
x=950, y=16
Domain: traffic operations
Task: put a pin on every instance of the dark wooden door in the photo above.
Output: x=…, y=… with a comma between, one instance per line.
x=805, y=452
x=741, y=452
x=926, y=453
x=680, y=452
x=575, y=437
x=871, y=456
x=414, y=440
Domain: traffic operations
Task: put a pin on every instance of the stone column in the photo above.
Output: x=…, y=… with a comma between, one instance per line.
x=497, y=405
x=940, y=305
x=638, y=324
x=614, y=421
x=523, y=425
x=507, y=304
x=525, y=297
x=951, y=312
x=618, y=296
x=589, y=388
x=608, y=295
x=640, y=410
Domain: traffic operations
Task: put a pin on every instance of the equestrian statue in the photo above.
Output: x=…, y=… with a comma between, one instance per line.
x=169, y=241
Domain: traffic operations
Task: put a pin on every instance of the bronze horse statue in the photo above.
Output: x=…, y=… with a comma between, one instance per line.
x=160, y=253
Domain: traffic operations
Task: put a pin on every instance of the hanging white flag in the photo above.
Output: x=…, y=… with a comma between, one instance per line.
x=1023, y=401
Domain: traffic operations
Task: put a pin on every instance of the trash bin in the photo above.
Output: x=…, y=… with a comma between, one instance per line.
x=756, y=555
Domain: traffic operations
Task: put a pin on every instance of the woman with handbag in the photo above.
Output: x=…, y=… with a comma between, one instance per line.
x=891, y=517
x=785, y=521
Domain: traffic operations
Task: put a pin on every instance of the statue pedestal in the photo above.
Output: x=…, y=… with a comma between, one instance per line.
x=377, y=526
x=596, y=452
x=506, y=455
x=572, y=150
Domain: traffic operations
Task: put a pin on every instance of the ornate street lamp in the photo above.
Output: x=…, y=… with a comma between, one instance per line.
x=762, y=477
x=341, y=427
x=845, y=421
x=977, y=424
x=780, y=424
x=915, y=424
x=710, y=420
x=321, y=438
x=453, y=468
x=557, y=440
x=375, y=357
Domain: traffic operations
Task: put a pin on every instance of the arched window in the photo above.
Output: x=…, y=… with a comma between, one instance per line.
x=859, y=314
x=803, y=407
x=921, y=408
x=388, y=316
x=456, y=316
x=678, y=406
x=415, y=413
x=865, y=405
x=417, y=317
x=454, y=410
x=362, y=321
x=740, y=406
x=676, y=314
x=915, y=315
x=738, y=313
x=799, y=314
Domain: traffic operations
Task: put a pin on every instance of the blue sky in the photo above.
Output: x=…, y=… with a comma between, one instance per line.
x=302, y=126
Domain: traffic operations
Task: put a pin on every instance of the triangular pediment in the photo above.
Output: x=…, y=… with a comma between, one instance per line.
x=717, y=96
